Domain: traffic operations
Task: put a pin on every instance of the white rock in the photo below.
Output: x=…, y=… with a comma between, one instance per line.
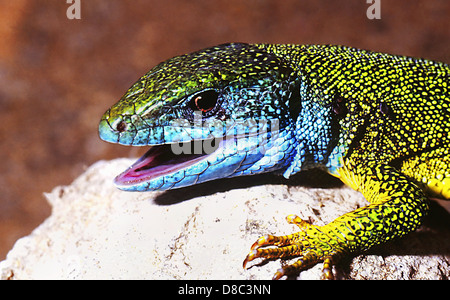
x=96, y=231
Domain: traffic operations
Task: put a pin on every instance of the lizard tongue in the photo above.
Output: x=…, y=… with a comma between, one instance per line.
x=158, y=161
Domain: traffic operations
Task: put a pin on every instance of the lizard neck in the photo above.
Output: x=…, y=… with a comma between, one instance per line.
x=315, y=113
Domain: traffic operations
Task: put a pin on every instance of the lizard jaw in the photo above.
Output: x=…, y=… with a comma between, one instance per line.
x=164, y=167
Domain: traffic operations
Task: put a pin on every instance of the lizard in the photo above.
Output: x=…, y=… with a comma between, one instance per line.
x=378, y=122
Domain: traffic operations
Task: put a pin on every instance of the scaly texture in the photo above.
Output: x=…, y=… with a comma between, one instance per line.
x=378, y=122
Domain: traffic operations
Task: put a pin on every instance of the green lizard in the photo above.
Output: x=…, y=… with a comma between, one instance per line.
x=379, y=122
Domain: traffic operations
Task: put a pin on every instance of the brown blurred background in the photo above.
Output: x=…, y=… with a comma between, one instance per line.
x=57, y=76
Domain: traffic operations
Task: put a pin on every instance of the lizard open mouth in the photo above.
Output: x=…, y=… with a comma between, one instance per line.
x=161, y=160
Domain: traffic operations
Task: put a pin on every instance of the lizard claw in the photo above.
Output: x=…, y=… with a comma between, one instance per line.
x=264, y=241
x=251, y=256
x=278, y=274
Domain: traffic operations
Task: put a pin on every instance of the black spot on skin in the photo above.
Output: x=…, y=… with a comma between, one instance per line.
x=386, y=110
x=338, y=106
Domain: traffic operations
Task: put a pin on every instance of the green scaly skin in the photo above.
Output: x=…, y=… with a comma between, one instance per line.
x=379, y=122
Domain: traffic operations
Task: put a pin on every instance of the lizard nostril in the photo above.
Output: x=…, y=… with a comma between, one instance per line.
x=121, y=127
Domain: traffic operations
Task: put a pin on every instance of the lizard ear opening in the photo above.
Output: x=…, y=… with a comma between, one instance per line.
x=295, y=102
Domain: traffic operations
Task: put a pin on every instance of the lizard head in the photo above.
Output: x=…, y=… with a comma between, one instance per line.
x=219, y=112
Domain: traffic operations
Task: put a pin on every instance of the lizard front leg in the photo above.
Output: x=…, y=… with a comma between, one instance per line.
x=397, y=207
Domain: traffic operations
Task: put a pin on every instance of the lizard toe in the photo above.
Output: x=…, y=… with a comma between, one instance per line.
x=310, y=245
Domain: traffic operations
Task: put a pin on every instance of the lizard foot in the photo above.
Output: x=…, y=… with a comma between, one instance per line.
x=310, y=244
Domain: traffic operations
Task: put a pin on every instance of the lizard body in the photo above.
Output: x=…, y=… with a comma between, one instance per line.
x=379, y=122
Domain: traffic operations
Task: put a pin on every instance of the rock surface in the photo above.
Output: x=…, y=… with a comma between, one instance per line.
x=96, y=231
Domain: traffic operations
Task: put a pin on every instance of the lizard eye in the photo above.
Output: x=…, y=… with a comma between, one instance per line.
x=204, y=101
